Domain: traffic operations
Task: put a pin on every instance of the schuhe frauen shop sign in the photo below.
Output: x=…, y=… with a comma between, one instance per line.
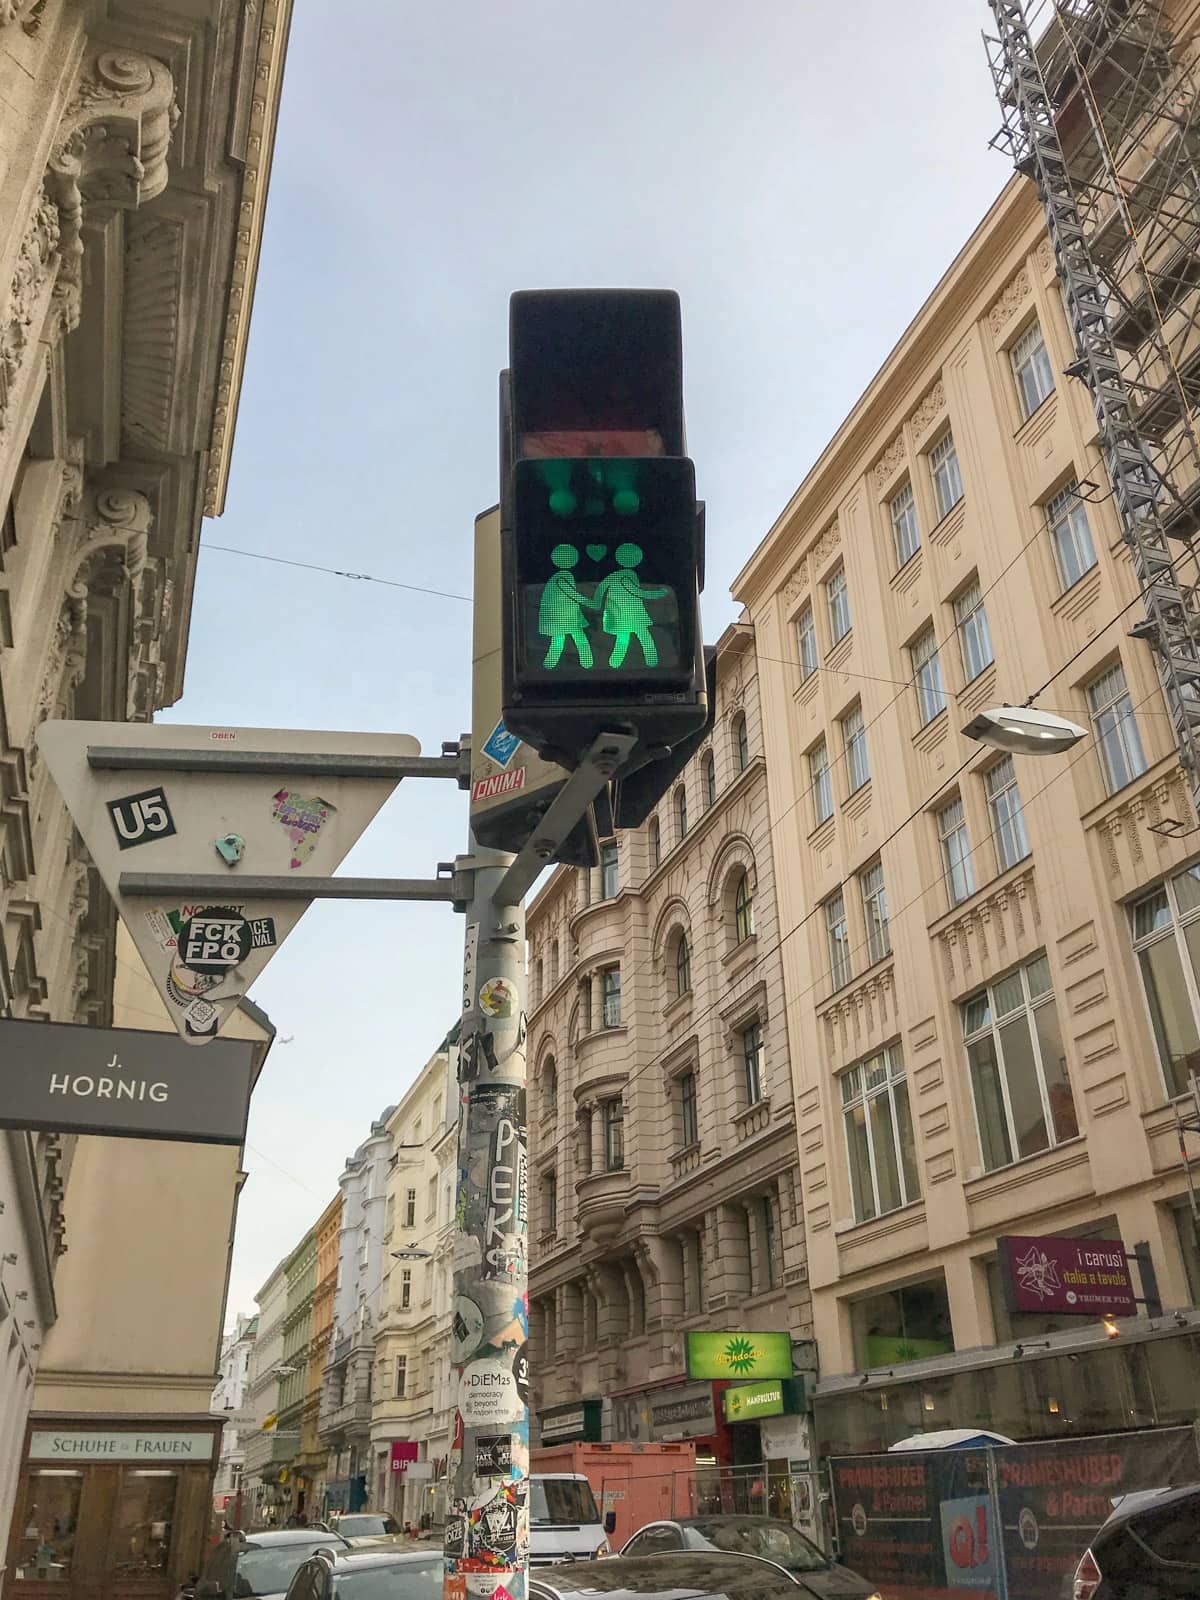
x=1067, y=1277
x=146, y=1085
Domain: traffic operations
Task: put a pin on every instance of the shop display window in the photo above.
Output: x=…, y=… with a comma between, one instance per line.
x=49, y=1524
x=141, y=1529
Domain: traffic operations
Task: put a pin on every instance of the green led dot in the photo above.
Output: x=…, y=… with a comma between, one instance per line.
x=562, y=502
x=626, y=502
x=594, y=506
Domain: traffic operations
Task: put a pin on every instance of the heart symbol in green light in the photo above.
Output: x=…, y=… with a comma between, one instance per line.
x=596, y=551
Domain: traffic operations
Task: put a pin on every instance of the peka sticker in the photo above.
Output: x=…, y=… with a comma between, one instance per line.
x=141, y=818
x=498, y=998
x=487, y=1393
x=302, y=816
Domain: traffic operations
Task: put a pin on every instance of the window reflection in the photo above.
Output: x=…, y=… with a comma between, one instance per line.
x=141, y=1530
x=50, y=1520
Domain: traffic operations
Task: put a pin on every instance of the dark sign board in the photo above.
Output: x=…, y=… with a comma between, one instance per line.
x=62, y=1077
x=1066, y=1277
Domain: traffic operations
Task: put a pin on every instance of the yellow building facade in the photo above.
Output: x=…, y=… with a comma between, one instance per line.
x=993, y=1005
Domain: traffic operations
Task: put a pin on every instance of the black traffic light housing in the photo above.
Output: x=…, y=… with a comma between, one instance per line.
x=639, y=788
x=601, y=532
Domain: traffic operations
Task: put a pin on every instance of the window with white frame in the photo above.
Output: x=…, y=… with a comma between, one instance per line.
x=689, y=1117
x=1017, y=1065
x=837, y=597
x=401, y=1377
x=1166, y=941
x=927, y=676
x=410, y=1208
x=610, y=997
x=902, y=509
x=875, y=912
x=838, y=933
x=1008, y=820
x=974, y=635
x=405, y=1289
x=956, y=852
x=752, y=1062
x=610, y=880
x=947, y=479
x=1118, y=742
x=806, y=642
x=821, y=781
x=1031, y=369
x=854, y=745
x=879, y=1136
x=1070, y=534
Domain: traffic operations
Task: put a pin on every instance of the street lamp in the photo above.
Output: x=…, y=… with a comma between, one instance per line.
x=1024, y=730
x=412, y=1252
x=284, y=1372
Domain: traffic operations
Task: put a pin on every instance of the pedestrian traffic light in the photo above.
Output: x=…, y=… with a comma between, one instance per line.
x=602, y=538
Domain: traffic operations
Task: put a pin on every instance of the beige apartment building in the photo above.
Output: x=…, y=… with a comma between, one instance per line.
x=664, y=1191
x=412, y=1405
x=992, y=962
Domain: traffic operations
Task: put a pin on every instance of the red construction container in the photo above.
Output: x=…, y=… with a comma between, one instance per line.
x=639, y=1482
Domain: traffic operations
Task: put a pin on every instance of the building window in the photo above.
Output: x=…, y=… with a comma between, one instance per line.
x=1032, y=370
x=431, y=1198
x=879, y=1136
x=956, y=852
x=401, y=1377
x=610, y=996
x=854, y=745
x=947, y=479
x=405, y=1289
x=741, y=743
x=875, y=913
x=683, y=965
x=550, y=1200
x=681, y=811
x=974, y=636
x=550, y=1086
x=927, y=676
x=654, y=837
x=837, y=597
x=614, y=1135
x=903, y=511
x=839, y=940
x=822, y=782
x=771, y=1261
x=1023, y=1098
x=743, y=909
x=1116, y=729
x=709, y=778
x=1008, y=820
x=806, y=642
x=689, y=1118
x=1071, y=535
x=752, y=1062
x=1166, y=938
x=609, y=880
x=410, y=1208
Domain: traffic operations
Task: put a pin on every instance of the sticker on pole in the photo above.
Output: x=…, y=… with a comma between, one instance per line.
x=487, y=1393
x=498, y=998
x=501, y=746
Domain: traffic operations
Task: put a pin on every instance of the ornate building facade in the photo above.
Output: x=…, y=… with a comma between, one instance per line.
x=663, y=1159
x=135, y=145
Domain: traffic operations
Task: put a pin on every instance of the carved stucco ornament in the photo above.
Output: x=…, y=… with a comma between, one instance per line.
x=16, y=10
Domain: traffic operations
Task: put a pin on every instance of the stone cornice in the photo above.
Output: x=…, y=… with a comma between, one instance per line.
x=271, y=37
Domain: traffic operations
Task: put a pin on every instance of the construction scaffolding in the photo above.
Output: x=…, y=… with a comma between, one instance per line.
x=1100, y=110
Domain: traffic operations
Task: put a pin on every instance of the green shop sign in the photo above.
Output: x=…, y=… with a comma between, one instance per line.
x=739, y=1355
x=743, y=1402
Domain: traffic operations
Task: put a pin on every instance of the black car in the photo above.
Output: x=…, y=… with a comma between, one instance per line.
x=768, y=1538
x=684, y=1575
x=252, y=1566
x=1149, y=1549
x=386, y=1574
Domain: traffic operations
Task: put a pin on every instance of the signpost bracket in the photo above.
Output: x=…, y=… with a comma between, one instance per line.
x=246, y=886
x=454, y=762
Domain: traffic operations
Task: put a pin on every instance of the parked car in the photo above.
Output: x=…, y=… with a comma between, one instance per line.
x=254, y=1566
x=1148, y=1549
x=390, y=1574
x=678, y=1575
x=355, y=1525
x=767, y=1538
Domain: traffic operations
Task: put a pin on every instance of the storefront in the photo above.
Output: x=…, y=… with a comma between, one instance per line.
x=577, y=1422
x=111, y=1510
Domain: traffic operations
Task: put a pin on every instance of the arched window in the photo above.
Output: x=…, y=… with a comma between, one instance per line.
x=550, y=1085
x=539, y=982
x=741, y=747
x=710, y=780
x=743, y=909
x=683, y=965
x=681, y=810
x=654, y=837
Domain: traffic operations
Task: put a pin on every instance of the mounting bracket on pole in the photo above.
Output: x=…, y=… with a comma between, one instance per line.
x=215, y=886
x=454, y=762
x=607, y=753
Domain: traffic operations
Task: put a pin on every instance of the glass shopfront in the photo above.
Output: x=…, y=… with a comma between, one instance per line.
x=126, y=1519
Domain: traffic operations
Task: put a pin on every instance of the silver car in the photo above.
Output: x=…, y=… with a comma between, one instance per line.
x=768, y=1538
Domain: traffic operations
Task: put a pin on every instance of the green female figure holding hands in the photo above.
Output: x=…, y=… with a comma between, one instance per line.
x=621, y=600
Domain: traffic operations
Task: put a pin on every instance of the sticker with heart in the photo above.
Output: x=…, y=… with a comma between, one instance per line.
x=597, y=551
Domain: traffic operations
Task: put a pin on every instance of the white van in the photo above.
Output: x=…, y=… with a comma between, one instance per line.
x=564, y=1522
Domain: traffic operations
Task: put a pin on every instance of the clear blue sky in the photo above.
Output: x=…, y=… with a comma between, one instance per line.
x=801, y=173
